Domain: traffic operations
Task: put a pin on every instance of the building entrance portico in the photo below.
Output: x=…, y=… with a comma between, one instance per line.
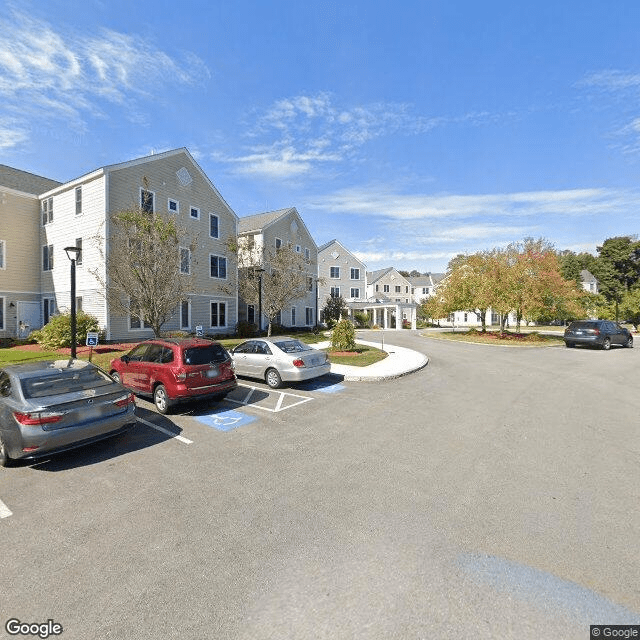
x=386, y=315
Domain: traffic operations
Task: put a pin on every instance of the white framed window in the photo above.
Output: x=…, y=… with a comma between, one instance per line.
x=307, y=253
x=79, y=246
x=308, y=316
x=335, y=292
x=136, y=319
x=355, y=274
x=48, y=309
x=173, y=206
x=251, y=314
x=78, y=201
x=334, y=272
x=78, y=303
x=385, y=288
x=218, y=314
x=398, y=289
x=293, y=316
x=194, y=212
x=214, y=226
x=309, y=283
x=298, y=248
x=278, y=243
x=47, y=257
x=185, y=314
x=147, y=200
x=425, y=290
x=47, y=211
x=217, y=266
x=355, y=293
x=3, y=254
x=185, y=261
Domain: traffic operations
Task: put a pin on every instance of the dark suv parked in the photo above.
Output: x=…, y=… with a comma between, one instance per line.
x=171, y=370
x=602, y=333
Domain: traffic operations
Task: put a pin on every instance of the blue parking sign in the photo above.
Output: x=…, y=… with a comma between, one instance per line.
x=92, y=339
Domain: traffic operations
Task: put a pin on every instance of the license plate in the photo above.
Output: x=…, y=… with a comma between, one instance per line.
x=212, y=373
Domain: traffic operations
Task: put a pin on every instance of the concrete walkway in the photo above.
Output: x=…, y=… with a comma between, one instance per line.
x=399, y=362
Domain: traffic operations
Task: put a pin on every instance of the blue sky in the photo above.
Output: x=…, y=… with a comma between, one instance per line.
x=409, y=130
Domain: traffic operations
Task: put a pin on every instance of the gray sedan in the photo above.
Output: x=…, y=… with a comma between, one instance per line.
x=51, y=406
x=275, y=360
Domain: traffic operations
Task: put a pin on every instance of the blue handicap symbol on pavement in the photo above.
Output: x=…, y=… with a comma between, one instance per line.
x=321, y=385
x=225, y=420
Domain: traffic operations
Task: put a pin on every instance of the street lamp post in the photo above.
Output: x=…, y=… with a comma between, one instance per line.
x=73, y=253
x=257, y=273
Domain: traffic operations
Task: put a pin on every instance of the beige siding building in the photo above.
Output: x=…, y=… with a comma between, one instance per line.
x=268, y=231
x=20, y=251
x=77, y=213
x=341, y=274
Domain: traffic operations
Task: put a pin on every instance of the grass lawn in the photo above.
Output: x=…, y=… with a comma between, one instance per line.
x=103, y=354
x=528, y=339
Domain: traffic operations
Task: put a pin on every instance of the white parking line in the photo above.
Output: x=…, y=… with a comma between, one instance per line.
x=245, y=401
x=166, y=431
x=5, y=512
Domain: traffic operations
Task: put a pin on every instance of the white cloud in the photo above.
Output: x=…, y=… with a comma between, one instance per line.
x=69, y=75
x=387, y=203
x=302, y=124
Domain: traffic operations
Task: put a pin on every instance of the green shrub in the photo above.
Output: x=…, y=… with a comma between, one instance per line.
x=362, y=318
x=57, y=333
x=344, y=336
x=246, y=330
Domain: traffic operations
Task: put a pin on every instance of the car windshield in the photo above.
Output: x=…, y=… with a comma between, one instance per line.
x=64, y=381
x=205, y=354
x=292, y=346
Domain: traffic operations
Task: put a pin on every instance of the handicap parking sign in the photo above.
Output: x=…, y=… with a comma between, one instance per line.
x=92, y=339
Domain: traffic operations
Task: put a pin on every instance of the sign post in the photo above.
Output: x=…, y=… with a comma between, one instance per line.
x=92, y=341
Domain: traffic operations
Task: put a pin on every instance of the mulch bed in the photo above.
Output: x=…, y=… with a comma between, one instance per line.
x=80, y=350
x=344, y=353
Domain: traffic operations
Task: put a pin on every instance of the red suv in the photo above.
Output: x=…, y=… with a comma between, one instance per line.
x=171, y=370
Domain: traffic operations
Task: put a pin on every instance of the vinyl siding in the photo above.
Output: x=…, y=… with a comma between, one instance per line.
x=345, y=261
x=162, y=180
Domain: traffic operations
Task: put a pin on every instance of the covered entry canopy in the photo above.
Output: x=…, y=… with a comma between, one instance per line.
x=382, y=312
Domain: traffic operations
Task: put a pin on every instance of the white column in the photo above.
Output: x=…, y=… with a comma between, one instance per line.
x=398, y=317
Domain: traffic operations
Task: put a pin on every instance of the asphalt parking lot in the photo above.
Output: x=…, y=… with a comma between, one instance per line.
x=492, y=494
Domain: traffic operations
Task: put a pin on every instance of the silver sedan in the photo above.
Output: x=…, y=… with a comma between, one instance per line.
x=279, y=359
x=51, y=406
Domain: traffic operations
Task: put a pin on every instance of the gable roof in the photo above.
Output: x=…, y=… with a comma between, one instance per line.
x=145, y=159
x=259, y=221
x=24, y=181
x=587, y=276
x=421, y=281
x=372, y=276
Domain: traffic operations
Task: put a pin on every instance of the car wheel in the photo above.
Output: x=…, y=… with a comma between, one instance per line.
x=116, y=376
x=606, y=344
x=273, y=379
x=161, y=399
x=629, y=343
x=570, y=344
x=5, y=460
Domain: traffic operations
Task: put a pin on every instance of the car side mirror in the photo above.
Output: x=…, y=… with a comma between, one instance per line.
x=125, y=359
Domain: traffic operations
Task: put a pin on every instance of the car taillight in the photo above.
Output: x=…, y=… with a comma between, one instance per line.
x=596, y=331
x=181, y=376
x=298, y=363
x=125, y=401
x=37, y=417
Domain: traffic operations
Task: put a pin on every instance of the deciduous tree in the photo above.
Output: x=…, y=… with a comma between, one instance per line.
x=149, y=267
